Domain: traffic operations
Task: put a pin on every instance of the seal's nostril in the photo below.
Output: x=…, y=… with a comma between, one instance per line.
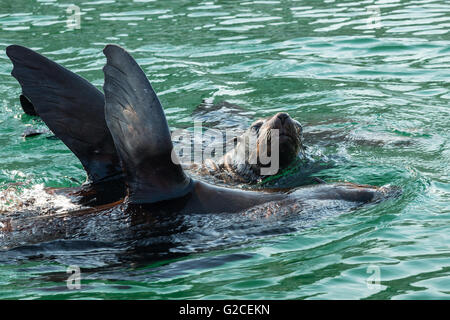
x=282, y=116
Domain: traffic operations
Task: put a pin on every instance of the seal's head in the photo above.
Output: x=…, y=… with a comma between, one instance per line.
x=255, y=149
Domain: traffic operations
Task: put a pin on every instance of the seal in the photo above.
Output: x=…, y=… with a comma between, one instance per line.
x=137, y=150
x=52, y=92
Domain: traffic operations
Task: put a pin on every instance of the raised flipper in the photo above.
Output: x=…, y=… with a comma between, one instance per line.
x=140, y=131
x=74, y=110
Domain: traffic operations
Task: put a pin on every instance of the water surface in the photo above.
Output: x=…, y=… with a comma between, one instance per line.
x=369, y=80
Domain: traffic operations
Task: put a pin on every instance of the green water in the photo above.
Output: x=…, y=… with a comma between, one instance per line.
x=373, y=90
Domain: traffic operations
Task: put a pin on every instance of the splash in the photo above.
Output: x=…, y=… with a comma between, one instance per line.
x=35, y=199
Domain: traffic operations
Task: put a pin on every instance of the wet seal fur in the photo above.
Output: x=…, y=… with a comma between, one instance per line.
x=243, y=162
x=133, y=146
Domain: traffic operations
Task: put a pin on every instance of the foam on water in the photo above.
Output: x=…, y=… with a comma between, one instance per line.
x=34, y=200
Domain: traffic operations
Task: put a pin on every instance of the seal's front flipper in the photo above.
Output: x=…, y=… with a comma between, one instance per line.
x=140, y=131
x=74, y=110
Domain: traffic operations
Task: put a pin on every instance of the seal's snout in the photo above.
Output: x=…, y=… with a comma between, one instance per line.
x=287, y=127
x=283, y=116
x=290, y=136
x=280, y=120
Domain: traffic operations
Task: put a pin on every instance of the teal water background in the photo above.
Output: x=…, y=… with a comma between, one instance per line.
x=371, y=77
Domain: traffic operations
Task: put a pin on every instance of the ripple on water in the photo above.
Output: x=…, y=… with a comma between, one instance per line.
x=372, y=97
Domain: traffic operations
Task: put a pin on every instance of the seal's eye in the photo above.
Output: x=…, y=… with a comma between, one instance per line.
x=255, y=126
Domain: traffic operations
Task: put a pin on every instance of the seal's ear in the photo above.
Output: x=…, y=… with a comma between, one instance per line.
x=140, y=131
x=71, y=107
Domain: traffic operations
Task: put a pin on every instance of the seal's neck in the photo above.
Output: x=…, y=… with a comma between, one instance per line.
x=206, y=198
